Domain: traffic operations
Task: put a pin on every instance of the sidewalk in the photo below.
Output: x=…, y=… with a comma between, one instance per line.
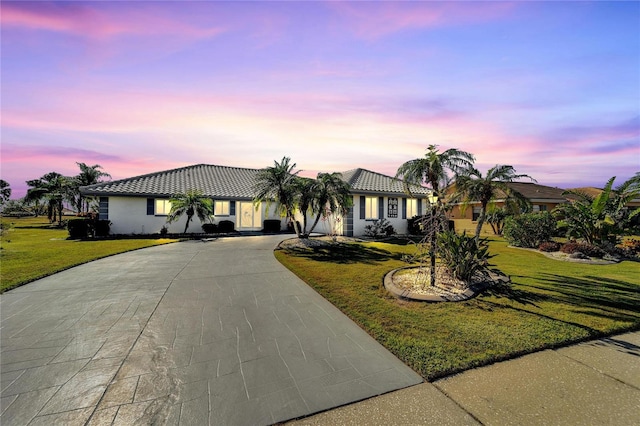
x=592, y=383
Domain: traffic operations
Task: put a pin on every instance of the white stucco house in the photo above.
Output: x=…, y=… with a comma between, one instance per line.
x=139, y=205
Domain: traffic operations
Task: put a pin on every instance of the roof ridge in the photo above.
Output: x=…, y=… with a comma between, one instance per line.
x=165, y=172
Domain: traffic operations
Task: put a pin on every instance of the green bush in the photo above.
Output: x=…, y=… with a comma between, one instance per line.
x=101, y=228
x=209, y=228
x=463, y=256
x=79, y=228
x=529, y=230
x=226, y=226
x=379, y=228
x=271, y=226
x=414, y=226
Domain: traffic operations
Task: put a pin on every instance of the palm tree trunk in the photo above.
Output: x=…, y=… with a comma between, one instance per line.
x=483, y=209
x=432, y=256
x=315, y=222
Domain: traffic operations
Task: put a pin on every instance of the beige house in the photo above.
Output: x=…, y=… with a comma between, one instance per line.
x=542, y=198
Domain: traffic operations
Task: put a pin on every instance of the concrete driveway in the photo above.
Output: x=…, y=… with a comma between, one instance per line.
x=213, y=332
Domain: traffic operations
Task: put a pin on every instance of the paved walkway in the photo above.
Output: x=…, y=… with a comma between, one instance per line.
x=191, y=333
x=593, y=383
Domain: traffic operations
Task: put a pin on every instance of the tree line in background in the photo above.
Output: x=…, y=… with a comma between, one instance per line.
x=49, y=194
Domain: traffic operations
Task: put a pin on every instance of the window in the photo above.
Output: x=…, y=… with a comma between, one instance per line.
x=539, y=208
x=476, y=213
x=371, y=208
x=412, y=207
x=163, y=207
x=221, y=208
x=392, y=208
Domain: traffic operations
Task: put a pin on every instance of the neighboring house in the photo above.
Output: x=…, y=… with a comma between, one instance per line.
x=377, y=196
x=139, y=205
x=542, y=198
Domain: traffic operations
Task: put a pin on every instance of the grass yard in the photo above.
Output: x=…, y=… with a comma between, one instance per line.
x=30, y=249
x=550, y=303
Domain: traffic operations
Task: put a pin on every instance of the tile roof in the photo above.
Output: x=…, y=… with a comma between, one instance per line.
x=213, y=181
x=362, y=180
x=534, y=191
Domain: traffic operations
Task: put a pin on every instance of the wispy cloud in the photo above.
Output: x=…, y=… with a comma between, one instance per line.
x=99, y=21
x=378, y=19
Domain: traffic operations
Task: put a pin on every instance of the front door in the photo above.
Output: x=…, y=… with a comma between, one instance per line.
x=250, y=218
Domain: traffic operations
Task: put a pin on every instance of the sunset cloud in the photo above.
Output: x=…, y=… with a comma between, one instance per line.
x=144, y=86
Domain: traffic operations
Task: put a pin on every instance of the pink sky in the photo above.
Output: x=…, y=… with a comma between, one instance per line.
x=551, y=88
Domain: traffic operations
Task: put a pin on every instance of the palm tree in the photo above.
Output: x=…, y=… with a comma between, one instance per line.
x=472, y=186
x=89, y=175
x=307, y=192
x=54, y=188
x=332, y=196
x=5, y=191
x=190, y=203
x=597, y=219
x=433, y=170
x=278, y=184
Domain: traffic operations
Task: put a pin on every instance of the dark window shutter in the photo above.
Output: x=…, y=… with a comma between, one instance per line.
x=419, y=207
x=362, y=207
x=232, y=208
x=404, y=208
x=380, y=207
x=150, y=207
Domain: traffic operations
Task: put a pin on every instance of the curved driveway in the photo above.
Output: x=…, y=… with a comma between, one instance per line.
x=214, y=332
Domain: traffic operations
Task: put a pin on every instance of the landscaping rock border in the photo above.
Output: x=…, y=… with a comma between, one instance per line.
x=469, y=293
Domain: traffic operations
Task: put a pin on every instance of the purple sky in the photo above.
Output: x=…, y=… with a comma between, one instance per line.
x=551, y=88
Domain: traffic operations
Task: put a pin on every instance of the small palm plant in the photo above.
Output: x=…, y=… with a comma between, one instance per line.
x=464, y=256
x=192, y=203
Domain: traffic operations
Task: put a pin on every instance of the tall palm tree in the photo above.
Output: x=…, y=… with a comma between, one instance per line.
x=55, y=189
x=278, y=184
x=332, y=196
x=89, y=175
x=5, y=191
x=472, y=186
x=190, y=203
x=433, y=170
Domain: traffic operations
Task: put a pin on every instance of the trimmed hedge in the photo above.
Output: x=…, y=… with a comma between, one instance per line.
x=226, y=226
x=271, y=226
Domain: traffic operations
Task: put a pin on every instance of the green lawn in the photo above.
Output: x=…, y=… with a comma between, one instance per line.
x=30, y=249
x=550, y=303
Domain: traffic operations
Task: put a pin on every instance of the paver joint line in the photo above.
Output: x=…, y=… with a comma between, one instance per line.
x=142, y=329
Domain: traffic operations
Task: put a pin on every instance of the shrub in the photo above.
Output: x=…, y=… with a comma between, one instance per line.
x=529, y=230
x=463, y=256
x=549, y=246
x=414, y=226
x=209, y=228
x=101, y=228
x=584, y=248
x=226, y=226
x=271, y=226
x=79, y=228
x=379, y=228
x=631, y=247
